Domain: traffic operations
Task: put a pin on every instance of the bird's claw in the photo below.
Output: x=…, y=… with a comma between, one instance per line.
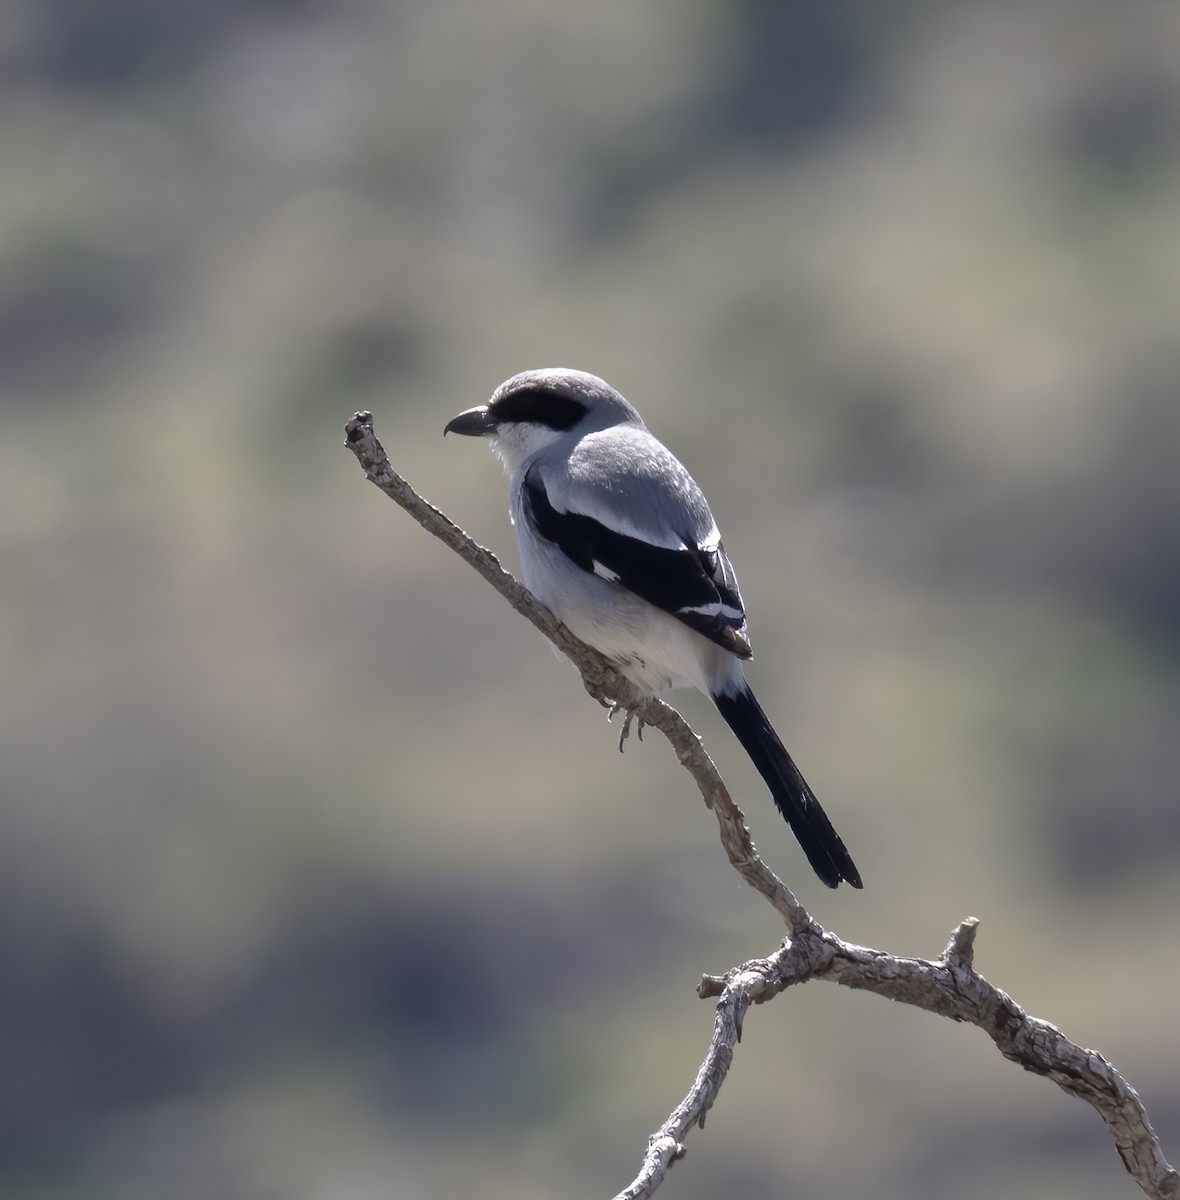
x=631, y=715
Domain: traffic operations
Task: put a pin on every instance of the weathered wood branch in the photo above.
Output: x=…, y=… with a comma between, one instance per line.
x=599, y=676
x=948, y=985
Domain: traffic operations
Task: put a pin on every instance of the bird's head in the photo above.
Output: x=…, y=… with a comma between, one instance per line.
x=535, y=409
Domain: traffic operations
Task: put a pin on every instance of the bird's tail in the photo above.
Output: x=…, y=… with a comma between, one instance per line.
x=795, y=800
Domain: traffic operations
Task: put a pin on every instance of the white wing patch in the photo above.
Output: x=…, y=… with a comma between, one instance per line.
x=604, y=572
x=716, y=609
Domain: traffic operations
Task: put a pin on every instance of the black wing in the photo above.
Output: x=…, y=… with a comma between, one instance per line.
x=695, y=586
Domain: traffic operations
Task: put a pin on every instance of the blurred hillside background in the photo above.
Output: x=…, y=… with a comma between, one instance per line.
x=320, y=877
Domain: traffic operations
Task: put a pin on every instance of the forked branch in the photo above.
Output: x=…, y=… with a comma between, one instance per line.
x=948, y=985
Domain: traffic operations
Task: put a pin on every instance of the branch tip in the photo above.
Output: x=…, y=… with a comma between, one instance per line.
x=355, y=429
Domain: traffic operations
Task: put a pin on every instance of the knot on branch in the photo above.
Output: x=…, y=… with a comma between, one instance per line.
x=960, y=950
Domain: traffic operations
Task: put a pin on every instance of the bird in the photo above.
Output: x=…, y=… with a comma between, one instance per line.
x=618, y=541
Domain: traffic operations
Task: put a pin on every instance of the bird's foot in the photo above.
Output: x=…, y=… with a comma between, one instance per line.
x=630, y=715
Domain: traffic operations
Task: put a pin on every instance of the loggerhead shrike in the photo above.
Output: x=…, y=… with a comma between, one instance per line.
x=618, y=541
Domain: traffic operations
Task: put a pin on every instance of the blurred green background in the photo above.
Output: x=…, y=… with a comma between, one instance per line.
x=320, y=877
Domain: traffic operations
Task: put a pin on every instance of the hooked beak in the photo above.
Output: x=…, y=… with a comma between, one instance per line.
x=475, y=422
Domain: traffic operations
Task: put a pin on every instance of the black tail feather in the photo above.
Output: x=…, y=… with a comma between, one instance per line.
x=795, y=800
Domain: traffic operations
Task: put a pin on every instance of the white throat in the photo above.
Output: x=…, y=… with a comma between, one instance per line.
x=519, y=441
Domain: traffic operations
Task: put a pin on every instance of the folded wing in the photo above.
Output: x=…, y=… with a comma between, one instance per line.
x=693, y=583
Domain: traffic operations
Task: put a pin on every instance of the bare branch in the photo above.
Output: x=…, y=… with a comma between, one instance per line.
x=948, y=986
x=599, y=676
x=951, y=987
x=752, y=983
